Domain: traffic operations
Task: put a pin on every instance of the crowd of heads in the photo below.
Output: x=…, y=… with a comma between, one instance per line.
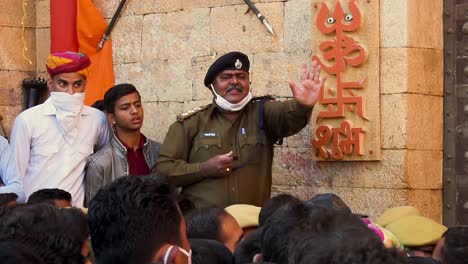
x=139, y=220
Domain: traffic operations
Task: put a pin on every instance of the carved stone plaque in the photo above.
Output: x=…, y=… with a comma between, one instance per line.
x=345, y=42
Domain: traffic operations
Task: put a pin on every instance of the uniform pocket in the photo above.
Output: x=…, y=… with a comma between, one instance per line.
x=248, y=146
x=207, y=144
x=205, y=148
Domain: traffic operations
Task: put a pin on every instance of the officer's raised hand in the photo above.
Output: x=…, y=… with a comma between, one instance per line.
x=217, y=166
x=307, y=92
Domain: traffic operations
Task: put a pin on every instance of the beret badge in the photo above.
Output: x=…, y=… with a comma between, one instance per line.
x=238, y=64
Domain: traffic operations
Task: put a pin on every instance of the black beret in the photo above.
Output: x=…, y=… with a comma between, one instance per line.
x=231, y=61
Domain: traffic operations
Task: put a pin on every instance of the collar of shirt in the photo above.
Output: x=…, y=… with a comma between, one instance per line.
x=140, y=145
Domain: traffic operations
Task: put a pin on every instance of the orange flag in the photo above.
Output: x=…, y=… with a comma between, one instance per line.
x=90, y=28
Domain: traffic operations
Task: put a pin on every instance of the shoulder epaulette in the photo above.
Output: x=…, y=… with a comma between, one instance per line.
x=190, y=113
x=270, y=98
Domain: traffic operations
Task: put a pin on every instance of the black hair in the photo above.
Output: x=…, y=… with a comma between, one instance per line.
x=185, y=204
x=56, y=235
x=248, y=247
x=48, y=196
x=207, y=251
x=422, y=260
x=275, y=233
x=6, y=198
x=455, y=247
x=131, y=218
x=333, y=236
x=115, y=93
x=12, y=252
x=280, y=201
x=99, y=104
x=205, y=223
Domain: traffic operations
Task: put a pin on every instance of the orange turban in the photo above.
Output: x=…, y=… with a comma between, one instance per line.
x=64, y=62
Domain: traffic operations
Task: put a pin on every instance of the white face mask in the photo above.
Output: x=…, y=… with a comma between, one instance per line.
x=68, y=111
x=224, y=104
x=67, y=104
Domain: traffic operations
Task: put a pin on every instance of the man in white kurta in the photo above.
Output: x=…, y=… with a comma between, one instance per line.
x=51, y=141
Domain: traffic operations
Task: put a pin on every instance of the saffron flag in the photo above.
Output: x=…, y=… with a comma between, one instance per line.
x=89, y=27
x=63, y=26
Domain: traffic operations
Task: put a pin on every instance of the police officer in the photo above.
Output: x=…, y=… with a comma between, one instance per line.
x=221, y=154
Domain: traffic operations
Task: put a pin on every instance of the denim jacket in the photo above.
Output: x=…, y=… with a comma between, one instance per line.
x=110, y=163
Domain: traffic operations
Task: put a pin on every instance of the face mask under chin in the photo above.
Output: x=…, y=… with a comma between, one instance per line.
x=226, y=105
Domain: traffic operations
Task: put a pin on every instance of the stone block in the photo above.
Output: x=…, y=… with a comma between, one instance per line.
x=42, y=48
x=394, y=114
x=233, y=29
x=425, y=70
x=194, y=104
x=297, y=26
x=154, y=6
x=200, y=65
x=168, y=80
x=425, y=122
x=11, y=92
x=108, y=7
x=301, y=139
x=126, y=39
x=42, y=13
x=302, y=192
x=271, y=71
x=294, y=167
x=176, y=35
x=11, y=57
x=387, y=173
x=394, y=70
x=424, y=169
x=159, y=117
x=371, y=202
x=413, y=70
x=429, y=203
x=9, y=114
x=12, y=13
x=393, y=23
x=11, y=80
x=215, y=3
x=133, y=73
x=425, y=23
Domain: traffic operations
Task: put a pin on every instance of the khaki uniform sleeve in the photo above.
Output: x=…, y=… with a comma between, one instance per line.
x=173, y=157
x=284, y=119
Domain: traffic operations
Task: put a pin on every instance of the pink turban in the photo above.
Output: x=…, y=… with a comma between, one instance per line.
x=64, y=62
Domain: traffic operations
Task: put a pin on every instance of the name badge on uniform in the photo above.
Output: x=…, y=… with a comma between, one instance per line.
x=209, y=134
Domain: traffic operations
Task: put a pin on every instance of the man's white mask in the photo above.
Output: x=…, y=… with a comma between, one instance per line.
x=224, y=104
x=68, y=111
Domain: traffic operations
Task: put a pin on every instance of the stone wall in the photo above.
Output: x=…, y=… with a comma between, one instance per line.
x=165, y=46
x=13, y=67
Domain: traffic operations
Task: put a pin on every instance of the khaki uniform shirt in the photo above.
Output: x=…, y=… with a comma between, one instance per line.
x=209, y=132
